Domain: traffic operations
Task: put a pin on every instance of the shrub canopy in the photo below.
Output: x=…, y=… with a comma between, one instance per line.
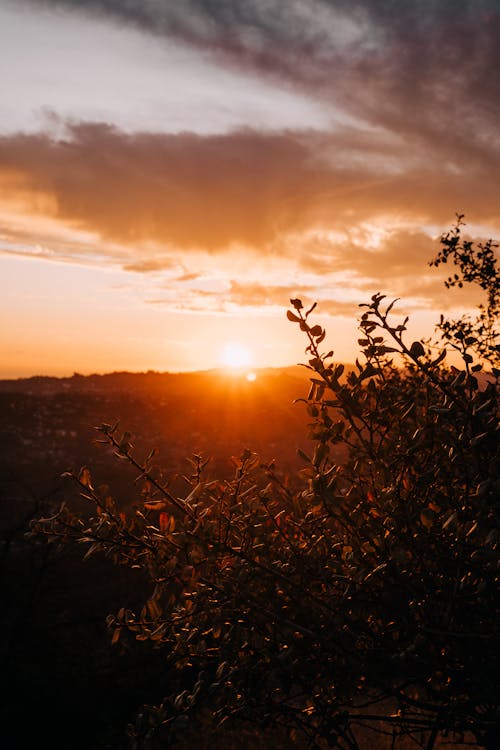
x=361, y=595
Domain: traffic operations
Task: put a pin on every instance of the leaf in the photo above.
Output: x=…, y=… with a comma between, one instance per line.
x=389, y=307
x=303, y=455
x=408, y=410
x=246, y=455
x=153, y=608
x=320, y=452
x=220, y=670
x=313, y=306
x=155, y=505
x=417, y=350
x=164, y=521
x=427, y=518
x=380, y=567
x=478, y=439
x=85, y=478
x=316, y=331
x=116, y=636
x=91, y=550
x=292, y=317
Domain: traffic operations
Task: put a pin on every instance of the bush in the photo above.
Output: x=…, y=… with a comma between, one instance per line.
x=360, y=597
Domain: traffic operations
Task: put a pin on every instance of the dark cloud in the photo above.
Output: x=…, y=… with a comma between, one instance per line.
x=183, y=190
x=247, y=188
x=421, y=68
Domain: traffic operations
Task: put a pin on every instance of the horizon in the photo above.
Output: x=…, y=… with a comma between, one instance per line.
x=170, y=177
x=223, y=371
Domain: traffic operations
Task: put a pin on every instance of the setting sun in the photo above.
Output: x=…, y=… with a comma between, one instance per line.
x=236, y=355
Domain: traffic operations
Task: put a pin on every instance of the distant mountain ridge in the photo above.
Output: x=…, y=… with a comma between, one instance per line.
x=150, y=380
x=154, y=381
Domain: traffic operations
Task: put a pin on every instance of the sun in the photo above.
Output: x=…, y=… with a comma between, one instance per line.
x=236, y=355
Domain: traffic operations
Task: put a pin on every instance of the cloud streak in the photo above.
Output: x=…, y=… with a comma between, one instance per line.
x=426, y=68
x=244, y=188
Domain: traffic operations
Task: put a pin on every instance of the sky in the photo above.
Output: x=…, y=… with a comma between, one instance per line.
x=172, y=173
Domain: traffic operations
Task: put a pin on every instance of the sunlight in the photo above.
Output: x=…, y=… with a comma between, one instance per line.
x=236, y=355
x=251, y=377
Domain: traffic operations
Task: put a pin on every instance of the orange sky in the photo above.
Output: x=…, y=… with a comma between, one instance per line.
x=171, y=174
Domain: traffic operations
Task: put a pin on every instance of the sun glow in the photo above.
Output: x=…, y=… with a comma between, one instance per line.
x=236, y=355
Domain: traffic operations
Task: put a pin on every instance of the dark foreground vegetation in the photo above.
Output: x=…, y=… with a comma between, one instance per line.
x=353, y=605
x=53, y=628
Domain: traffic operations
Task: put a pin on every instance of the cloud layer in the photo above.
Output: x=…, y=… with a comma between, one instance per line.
x=245, y=187
x=416, y=85
x=428, y=68
x=156, y=200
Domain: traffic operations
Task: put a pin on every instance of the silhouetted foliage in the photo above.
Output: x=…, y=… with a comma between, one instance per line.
x=362, y=597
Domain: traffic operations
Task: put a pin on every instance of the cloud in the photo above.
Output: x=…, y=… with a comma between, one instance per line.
x=427, y=69
x=261, y=295
x=252, y=295
x=373, y=253
x=244, y=188
x=183, y=190
x=180, y=206
x=420, y=77
x=150, y=265
x=394, y=261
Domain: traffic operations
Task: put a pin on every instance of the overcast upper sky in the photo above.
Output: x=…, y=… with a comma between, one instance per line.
x=172, y=172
